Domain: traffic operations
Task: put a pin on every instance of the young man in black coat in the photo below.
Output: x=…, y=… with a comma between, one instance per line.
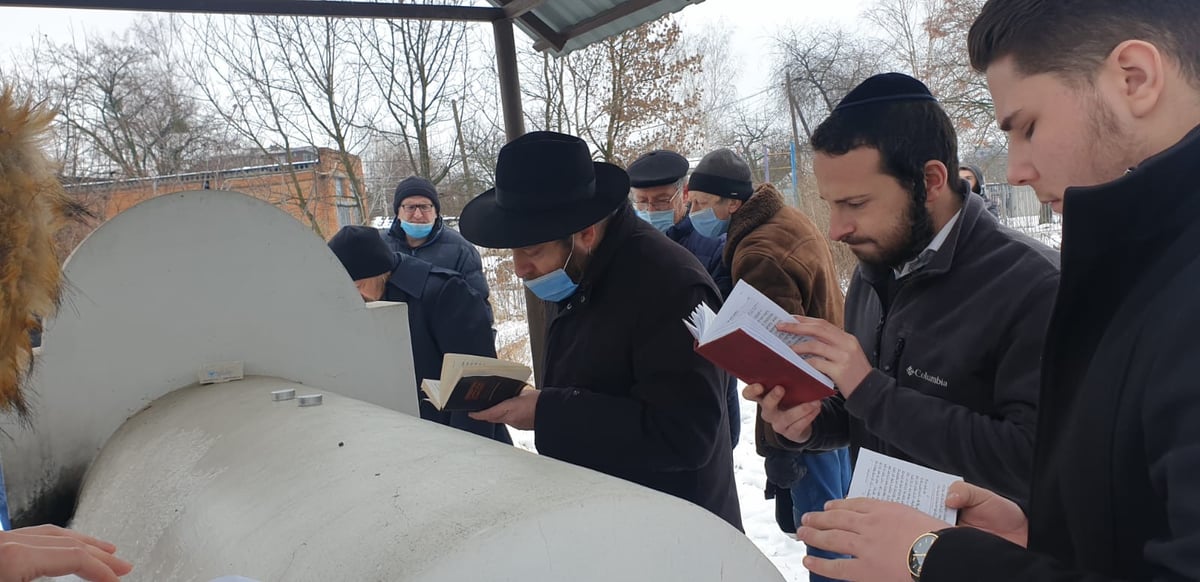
x=623, y=392
x=1104, y=123
x=444, y=315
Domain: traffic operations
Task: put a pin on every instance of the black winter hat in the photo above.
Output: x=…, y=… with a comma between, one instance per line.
x=547, y=188
x=885, y=88
x=657, y=168
x=722, y=173
x=415, y=186
x=362, y=252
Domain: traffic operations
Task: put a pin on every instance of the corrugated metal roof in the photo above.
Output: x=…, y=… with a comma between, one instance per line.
x=579, y=23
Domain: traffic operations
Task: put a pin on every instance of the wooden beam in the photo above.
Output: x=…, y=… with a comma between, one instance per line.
x=325, y=8
x=518, y=7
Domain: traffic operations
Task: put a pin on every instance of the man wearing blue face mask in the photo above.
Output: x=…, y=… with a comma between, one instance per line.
x=656, y=182
x=419, y=231
x=622, y=391
x=444, y=314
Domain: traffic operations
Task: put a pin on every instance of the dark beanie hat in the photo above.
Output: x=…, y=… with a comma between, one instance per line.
x=362, y=252
x=657, y=168
x=415, y=186
x=885, y=88
x=722, y=173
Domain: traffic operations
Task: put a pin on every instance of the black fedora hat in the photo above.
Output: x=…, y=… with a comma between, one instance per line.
x=547, y=188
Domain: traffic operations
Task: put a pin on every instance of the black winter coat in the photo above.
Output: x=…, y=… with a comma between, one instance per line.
x=624, y=393
x=956, y=356
x=1116, y=482
x=447, y=249
x=444, y=316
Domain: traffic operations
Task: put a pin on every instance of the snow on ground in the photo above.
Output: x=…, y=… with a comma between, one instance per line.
x=758, y=514
x=1049, y=234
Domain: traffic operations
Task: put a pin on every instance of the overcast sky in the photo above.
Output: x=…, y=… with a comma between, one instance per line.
x=753, y=23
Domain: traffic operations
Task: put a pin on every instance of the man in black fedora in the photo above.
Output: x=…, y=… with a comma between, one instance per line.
x=622, y=391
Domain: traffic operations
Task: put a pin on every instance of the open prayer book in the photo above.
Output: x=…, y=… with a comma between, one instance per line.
x=473, y=383
x=742, y=339
x=887, y=478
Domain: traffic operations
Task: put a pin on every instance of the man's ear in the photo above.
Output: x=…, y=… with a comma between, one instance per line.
x=735, y=205
x=588, y=238
x=1137, y=70
x=937, y=180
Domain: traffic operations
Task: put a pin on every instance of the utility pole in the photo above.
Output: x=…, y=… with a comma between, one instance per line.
x=462, y=146
x=795, y=140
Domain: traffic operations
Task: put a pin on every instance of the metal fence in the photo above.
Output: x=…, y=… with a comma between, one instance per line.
x=1020, y=209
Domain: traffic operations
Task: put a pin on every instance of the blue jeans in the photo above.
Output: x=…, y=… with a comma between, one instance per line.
x=4, y=524
x=827, y=478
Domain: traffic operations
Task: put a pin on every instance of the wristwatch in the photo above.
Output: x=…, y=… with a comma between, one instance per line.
x=918, y=551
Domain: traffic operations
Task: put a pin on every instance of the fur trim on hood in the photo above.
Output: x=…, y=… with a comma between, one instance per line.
x=33, y=207
x=762, y=206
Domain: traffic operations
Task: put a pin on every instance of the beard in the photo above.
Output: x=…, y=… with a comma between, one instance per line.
x=908, y=237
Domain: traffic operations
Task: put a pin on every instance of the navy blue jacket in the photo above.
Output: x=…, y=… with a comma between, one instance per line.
x=447, y=249
x=444, y=316
x=709, y=252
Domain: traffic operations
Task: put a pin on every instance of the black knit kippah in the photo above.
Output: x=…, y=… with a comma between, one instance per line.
x=886, y=88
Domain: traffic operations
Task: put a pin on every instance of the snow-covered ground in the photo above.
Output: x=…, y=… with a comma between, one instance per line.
x=758, y=514
x=1049, y=234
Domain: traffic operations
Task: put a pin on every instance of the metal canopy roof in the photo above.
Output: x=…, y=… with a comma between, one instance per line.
x=561, y=26
x=557, y=26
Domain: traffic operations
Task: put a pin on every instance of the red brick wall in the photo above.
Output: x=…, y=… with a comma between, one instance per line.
x=308, y=192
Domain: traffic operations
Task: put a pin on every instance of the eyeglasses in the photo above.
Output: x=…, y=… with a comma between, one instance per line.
x=411, y=209
x=658, y=205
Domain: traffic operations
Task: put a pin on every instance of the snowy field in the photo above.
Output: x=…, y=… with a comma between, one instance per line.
x=758, y=514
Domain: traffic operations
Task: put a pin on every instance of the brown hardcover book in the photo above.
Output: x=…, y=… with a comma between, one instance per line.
x=472, y=383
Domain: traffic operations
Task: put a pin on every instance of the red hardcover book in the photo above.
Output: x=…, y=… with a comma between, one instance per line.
x=742, y=340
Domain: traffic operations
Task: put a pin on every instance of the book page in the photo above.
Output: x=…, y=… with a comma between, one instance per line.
x=749, y=302
x=889, y=479
x=699, y=322
x=455, y=366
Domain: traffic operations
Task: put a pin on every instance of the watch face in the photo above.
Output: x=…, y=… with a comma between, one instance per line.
x=923, y=543
x=916, y=555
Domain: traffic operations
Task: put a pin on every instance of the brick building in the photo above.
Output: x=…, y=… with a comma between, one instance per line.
x=314, y=188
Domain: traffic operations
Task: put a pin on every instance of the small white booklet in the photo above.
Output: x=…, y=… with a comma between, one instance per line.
x=890, y=479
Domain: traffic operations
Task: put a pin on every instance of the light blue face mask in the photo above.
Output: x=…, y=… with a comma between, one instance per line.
x=707, y=224
x=660, y=219
x=416, y=230
x=555, y=285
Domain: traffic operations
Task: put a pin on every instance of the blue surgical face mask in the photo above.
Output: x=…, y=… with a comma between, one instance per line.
x=416, y=230
x=660, y=219
x=555, y=285
x=707, y=224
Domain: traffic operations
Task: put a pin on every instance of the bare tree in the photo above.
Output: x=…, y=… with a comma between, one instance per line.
x=124, y=109
x=412, y=65
x=328, y=88
x=623, y=95
x=235, y=72
x=927, y=39
x=824, y=65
